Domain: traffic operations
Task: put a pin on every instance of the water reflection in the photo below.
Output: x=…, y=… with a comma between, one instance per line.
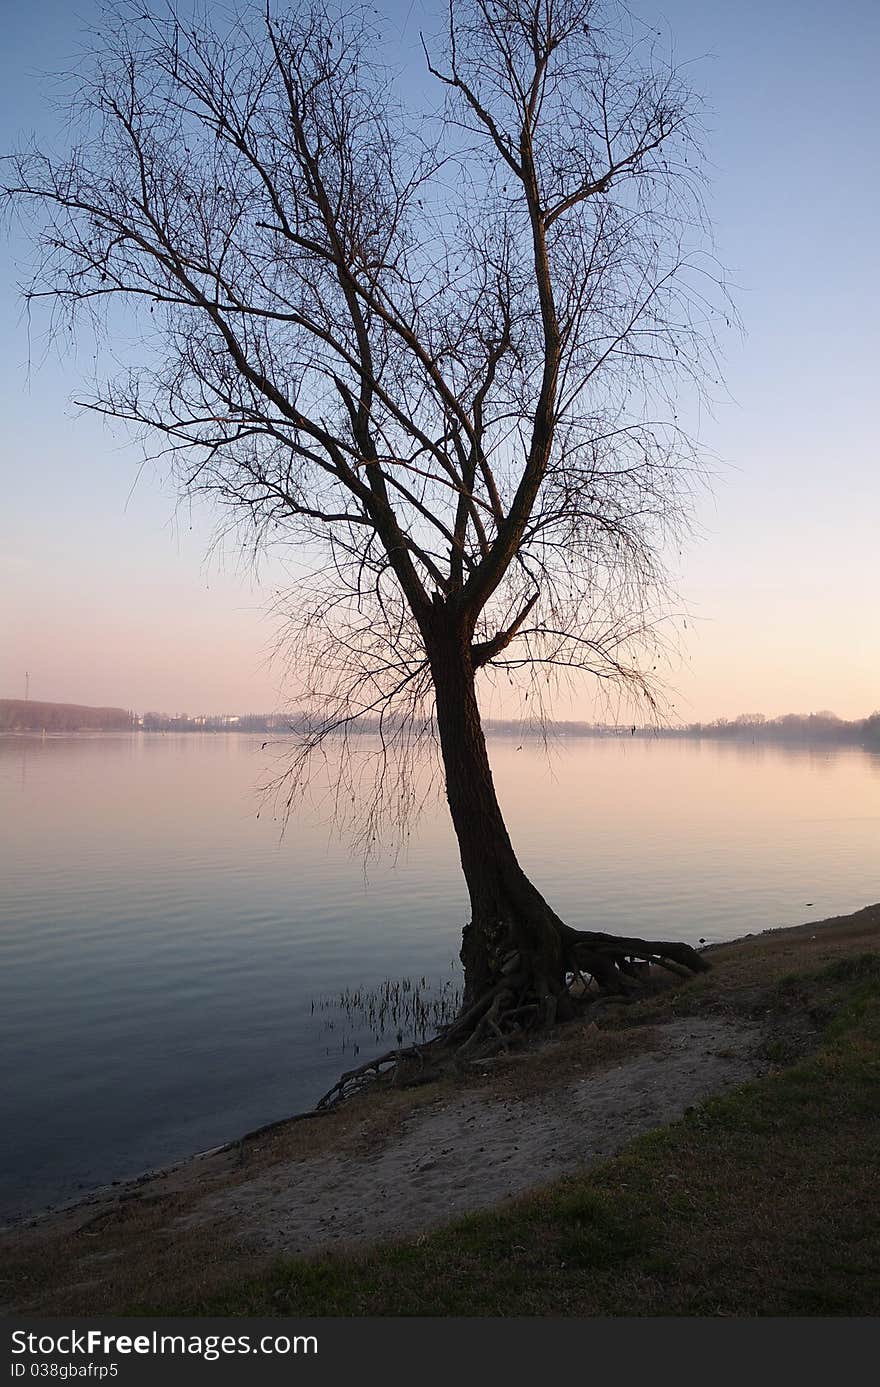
x=162, y=946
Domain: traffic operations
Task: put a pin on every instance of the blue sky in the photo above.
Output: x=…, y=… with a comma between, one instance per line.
x=106, y=592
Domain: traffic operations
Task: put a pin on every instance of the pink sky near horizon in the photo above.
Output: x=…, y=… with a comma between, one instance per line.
x=106, y=596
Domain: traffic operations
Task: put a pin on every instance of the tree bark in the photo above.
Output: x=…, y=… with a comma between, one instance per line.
x=508, y=914
x=517, y=953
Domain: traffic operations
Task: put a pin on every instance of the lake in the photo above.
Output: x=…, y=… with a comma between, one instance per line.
x=172, y=966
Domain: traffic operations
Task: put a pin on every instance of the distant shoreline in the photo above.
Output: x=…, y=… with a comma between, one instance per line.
x=825, y=728
x=863, y=739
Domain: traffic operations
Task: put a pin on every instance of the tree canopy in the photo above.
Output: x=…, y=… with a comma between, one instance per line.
x=434, y=335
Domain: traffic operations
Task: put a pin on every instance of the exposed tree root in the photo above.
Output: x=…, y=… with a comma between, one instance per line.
x=597, y=970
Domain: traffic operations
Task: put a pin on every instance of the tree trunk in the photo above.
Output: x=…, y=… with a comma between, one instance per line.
x=508, y=915
x=518, y=955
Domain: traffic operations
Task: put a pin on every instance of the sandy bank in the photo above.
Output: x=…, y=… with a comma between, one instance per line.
x=397, y=1163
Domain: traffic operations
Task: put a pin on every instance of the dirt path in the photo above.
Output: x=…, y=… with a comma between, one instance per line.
x=376, y=1168
x=397, y=1162
x=472, y=1151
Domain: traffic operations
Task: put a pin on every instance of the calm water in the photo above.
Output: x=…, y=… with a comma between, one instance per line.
x=163, y=951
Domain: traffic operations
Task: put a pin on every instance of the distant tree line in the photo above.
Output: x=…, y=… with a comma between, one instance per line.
x=25, y=715
x=790, y=727
x=20, y=715
x=823, y=727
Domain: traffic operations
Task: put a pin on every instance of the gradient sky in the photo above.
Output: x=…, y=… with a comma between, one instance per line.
x=106, y=592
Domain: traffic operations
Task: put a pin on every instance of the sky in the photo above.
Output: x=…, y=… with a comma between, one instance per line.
x=108, y=591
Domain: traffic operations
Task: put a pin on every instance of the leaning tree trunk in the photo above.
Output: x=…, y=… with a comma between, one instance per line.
x=508, y=914
x=519, y=957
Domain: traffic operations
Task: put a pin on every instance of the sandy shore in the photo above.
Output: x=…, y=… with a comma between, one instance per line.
x=472, y=1150
x=397, y=1163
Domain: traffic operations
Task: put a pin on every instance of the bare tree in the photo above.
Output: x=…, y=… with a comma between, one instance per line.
x=439, y=344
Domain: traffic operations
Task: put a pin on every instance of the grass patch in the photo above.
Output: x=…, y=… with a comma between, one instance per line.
x=761, y=1202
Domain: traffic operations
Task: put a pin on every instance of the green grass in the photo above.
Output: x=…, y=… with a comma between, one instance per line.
x=760, y=1202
